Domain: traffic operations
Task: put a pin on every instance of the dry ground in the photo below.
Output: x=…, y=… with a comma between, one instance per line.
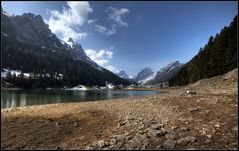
x=174, y=120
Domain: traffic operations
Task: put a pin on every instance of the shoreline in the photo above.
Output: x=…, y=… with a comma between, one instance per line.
x=197, y=116
x=91, y=122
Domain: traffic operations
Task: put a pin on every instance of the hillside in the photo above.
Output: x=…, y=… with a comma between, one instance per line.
x=29, y=45
x=217, y=57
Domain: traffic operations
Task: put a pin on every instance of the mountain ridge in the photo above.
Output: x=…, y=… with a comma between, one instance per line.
x=28, y=41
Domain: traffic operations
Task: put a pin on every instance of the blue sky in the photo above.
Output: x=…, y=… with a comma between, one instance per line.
x=132, y=35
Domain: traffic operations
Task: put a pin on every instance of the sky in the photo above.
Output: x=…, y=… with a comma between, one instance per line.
x=130, y=36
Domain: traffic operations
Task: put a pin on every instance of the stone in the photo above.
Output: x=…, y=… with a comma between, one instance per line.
x=184, y=128
x=102, y=143
x=235, y=128
x=154, y=133
x=186, y=140
x=209, y=136
x=113, y=141
x=217, y=125
x=56, y=123
x=75, y=124
x=119, y=137
x=159, y=146
x=193, y=109
x=174, y=127
x=208, y=141
x=129, y=118
x=122, y=123
x=182, y=120
x=129, y=137
x=157, y=126
x=173, y=135
x=169, y=144
x=191, y=92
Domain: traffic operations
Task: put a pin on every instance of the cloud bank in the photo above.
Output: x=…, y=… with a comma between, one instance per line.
x=115, y=16
x=102, y=58
x=65, y=23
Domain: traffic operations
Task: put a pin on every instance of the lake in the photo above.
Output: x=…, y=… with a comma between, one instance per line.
x=16, y=98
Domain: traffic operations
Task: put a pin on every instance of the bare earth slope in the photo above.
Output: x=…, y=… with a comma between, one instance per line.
x=179, y=119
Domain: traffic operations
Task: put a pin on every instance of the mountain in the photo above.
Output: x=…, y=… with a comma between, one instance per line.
x=218, y=56
x=29, y=45
x=166, y=73
x=144, y=75
x=122, y=74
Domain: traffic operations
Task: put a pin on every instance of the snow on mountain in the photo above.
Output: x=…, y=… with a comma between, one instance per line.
x=31, y=29
x=122, y=74
x=166, y=73
x=148, y=78
x=7, y=14
x=144, y=75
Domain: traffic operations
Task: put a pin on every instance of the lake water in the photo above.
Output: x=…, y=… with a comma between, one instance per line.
x=16, y=98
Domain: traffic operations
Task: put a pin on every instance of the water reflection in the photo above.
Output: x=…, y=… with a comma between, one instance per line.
x=13, y=98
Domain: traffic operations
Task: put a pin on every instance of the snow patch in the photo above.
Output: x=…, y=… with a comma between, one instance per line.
x=79, y=87
x=4, y=34
x=7, y=14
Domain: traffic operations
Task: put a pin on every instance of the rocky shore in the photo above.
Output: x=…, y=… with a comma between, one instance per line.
x=202, y=115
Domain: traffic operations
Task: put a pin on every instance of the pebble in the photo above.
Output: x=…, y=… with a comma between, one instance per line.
x=193, y=109
x=217, y=126
x=102, y=143
x=208, y=141
x=122, y=123
x=184, y=128
x=235, y=128
x=157, y=126
x=209, y=136
x=75, y=124
x=56, y=123
x=169, y=144
x=186, y=140
x=174, y=127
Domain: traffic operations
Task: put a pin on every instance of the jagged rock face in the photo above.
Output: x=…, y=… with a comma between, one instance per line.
x=28, y=37
x=30, y=28
x=143, y=75
x=77, y=52
x=122, y=74
x=166, y=73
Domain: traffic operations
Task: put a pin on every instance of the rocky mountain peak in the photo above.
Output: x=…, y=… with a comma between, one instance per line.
x=122, y=74
x=144, y=75
x=70, y=40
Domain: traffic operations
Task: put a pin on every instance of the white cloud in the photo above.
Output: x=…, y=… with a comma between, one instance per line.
x=100, y=28
x=112, y=68
x=102, y=58
x=104, y=30
x=91, y=21
x=64, y=22
x=116, y=15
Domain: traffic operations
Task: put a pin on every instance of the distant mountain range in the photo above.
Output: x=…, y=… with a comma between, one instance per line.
x=147, y=77
x=143, y=76
x=29, y=45
x=122, y=74
x=166, y=73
